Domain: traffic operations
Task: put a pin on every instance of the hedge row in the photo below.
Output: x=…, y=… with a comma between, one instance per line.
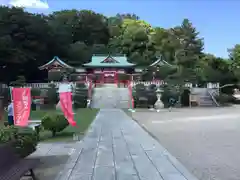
x=24, y=140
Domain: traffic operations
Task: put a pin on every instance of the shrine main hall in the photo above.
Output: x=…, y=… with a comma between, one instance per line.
x=101, y=69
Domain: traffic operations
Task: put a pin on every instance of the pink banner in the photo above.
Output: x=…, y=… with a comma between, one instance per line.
x=66, y=106
x=21, y=105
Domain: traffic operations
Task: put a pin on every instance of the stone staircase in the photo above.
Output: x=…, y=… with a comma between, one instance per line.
x=205, y=97
x=205, y=101
x=110, y=96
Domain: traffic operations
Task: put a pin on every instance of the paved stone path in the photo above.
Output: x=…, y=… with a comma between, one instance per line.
x=53, y=157
x=110, y=97
x=117, y=148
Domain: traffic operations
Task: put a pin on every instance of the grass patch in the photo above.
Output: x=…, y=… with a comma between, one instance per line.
x=83, y=117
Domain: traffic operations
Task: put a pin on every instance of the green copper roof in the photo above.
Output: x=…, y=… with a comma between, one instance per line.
x=109, y=61
x=57, y=61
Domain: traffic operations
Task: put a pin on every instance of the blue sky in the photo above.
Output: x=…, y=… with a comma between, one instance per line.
x=216, y=20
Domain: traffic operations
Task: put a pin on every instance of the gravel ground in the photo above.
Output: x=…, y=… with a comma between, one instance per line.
x=206, y=141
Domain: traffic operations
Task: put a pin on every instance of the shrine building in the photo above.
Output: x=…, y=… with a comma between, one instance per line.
x=101, y=69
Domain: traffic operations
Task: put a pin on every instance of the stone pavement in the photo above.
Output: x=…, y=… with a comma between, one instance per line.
x=110, y=96
x=53, y=157
x=204, y=140
x=117, y=148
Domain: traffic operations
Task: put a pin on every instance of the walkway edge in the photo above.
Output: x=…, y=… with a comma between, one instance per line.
x=172, y=159
x=66, y=172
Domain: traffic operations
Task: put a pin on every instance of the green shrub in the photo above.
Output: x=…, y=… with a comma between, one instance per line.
x=139, y=96
x=185, y=97
x=24, y=140
x=19, y=82
x=152, y=87
x=152, y=97
x=52, y=95
x=54, y=122
x=80, y=96
x=167, y=94
x=224, y=99
x=5, y=93
x=35, y=92
x=144, y=97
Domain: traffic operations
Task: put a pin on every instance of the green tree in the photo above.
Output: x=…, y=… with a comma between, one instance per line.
x=187, y=53
x=24, y=39
x=234, y=56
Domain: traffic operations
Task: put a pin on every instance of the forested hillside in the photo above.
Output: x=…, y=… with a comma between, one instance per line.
x=30, y=40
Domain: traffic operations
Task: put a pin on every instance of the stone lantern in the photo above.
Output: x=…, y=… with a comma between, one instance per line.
x=159, y=105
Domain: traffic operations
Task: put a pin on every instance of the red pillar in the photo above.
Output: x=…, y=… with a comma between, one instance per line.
x=102, y=81
x=116, y=77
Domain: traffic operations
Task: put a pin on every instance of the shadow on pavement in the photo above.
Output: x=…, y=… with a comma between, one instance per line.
x=50, y=166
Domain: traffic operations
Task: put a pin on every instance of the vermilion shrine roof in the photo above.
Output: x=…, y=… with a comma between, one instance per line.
x=109, y=61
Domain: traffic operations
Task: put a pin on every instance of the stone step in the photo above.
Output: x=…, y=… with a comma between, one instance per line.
x=110, y=97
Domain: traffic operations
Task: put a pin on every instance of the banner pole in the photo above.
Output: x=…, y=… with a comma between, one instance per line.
x=10, y=89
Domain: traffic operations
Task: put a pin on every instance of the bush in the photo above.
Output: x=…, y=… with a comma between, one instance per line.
x=144, y=97
x=52, y=95
x=35, y=92
x=80, y=96
x=54, y=122
x=24, y=140
x=185, y=97
x=139, y=96
x=19, y=82
x=5, y=93
x=152, y=87
x=167, y=94
x=152, y=97
x=224, y=99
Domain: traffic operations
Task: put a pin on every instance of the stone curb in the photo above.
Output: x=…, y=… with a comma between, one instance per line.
x=172, y=159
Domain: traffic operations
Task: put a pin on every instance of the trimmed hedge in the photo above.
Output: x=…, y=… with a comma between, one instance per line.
x=224, y=99
x=35, y=91
x=144, y=97
x=24, y=140
x=54, y=122
x=52, y=95
x=80, y=96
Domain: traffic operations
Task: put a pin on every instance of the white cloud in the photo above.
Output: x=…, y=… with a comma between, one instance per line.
x=38, y=4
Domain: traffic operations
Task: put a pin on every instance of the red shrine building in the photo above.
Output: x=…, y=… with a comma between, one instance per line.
x=101, y=69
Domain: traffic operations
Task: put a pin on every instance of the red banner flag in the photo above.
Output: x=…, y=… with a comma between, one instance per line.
x=21, y=105
x=66, y=106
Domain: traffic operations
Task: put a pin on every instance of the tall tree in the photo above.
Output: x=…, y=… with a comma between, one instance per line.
x=234, y=56
x=188, y=52
x=190, y=45
x=24, y=39
x=135, y=41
